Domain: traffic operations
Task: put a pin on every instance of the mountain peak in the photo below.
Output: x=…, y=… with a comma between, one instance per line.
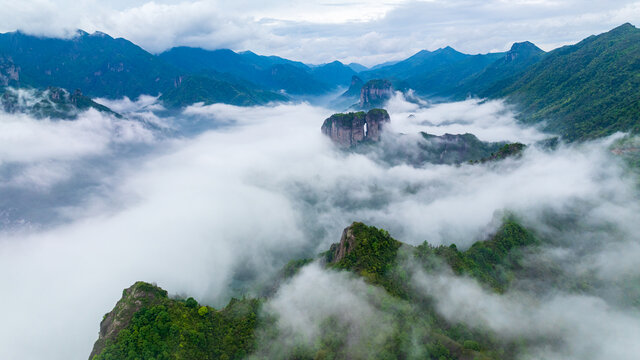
x=100, y=34
x=623, y=29
x=81, y=33
x=525, y=45
x=448, y=50
x=625, y=26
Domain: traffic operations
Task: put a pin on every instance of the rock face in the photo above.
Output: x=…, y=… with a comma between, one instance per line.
x=346, y=245
x=345, y=130
x=375, y=120
x=133, y=299
x=348, y=130
x=374, y=93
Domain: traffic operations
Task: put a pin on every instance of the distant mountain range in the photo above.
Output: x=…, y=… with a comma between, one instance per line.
x=580, y=91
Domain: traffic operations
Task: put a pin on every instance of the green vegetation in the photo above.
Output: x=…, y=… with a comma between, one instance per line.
x=454, y=149
x=493, y=77
x=267, y=72
x=345, y=119
x=373, y=254
x=153, y=326
x=98, y=64
x=175, y=329
x=507, y=150
x=583, y=91
x=492, y=262
x=208, y=90
x=628, y=148
x=52, y=102
x=378, y=113
x=293, y=267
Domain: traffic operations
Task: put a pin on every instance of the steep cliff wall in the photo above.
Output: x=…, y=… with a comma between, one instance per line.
x=374, y=93
x=348, y=130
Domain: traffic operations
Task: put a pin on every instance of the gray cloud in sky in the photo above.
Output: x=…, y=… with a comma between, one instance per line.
x=369, y=32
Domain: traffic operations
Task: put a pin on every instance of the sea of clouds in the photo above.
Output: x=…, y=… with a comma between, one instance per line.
x=92, y=205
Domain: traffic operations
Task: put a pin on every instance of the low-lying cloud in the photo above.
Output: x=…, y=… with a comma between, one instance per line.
x=211, y=213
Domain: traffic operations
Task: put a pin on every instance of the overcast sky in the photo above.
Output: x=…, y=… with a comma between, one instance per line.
x=365, y=31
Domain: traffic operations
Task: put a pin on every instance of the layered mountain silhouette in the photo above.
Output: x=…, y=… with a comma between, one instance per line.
x=580, y=91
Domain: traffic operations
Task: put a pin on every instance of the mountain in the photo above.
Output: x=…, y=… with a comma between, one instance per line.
x=98, y=64
x=420, y=63
x=585, y=90
x=52, y=103
x=491, y=79
x=375, y=93
x=353, y=92
x=442, y=80
x=334, y=73
x=352, y=129
x=384, y=64
x=270, y=72
x=453, y=149
x=193, y=89
x=147, y=323
x=182, y=328
x=357, y=67
x=101, y=66
x=434, y=73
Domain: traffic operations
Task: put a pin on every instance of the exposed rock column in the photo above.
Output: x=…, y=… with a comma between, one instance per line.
x=375, y=120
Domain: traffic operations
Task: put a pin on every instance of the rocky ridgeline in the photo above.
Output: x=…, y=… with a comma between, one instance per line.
x=350, y=129
x=133, y=299
x=374, y=93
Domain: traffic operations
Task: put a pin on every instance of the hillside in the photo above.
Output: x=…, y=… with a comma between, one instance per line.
x=208, y=90
x=146, y=323
x=52, y=102
x=434, y=73
x=270, y=72
x=585, y=90
x=491, y=78
x=97, y=64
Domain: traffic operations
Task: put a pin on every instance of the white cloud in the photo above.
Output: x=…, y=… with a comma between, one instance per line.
x=249, y=196
x=303, y=305
x=25, y=139
x=558, y=326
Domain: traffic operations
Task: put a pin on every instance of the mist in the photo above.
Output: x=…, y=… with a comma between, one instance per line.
x=215, y=199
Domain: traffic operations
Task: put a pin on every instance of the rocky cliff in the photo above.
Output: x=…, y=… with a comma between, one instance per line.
x=346, y=245
x=374, y=93
x=350, y=129
x=139, y=295
x=375, y=119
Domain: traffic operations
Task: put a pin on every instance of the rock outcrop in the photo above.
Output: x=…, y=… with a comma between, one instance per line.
x=375, y=119
x=350, y=129
x=133, y=299
x=345, y=246
x=374, y=93
x=354, y=89
x=345, y=130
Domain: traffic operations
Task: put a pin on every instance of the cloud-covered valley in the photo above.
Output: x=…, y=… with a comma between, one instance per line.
x=212, y=212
